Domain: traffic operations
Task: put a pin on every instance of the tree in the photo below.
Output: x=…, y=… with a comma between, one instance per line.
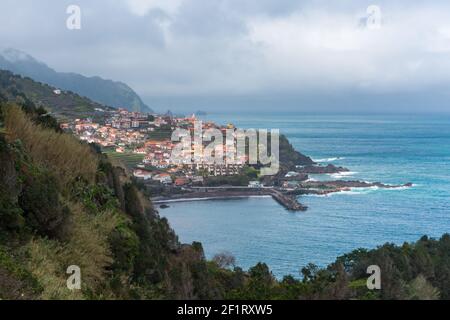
x=260, y=284
x=309, y=272
x=41, y=204
x=225, y=260
x=421, y=289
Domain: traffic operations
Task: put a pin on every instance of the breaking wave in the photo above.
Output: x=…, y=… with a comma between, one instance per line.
x=328, y=159
x=342, y=174
x=357, y=191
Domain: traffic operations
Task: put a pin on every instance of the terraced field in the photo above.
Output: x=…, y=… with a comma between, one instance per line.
x=131, y=160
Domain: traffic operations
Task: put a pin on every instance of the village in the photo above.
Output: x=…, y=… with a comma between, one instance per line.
x=149, y=135
x=143, y=143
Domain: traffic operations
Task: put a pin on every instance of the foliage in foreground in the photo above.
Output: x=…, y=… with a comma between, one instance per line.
x=62, y=203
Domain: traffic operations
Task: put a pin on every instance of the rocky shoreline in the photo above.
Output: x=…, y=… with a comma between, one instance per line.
x=285, y=197
x=286, y=187
x=288, y=201
x=318, y=169
x=327, y=187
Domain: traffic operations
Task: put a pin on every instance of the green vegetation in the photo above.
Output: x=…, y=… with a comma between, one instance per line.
x=64, y=203
x=130, y=160
x=73, y=207
x=236, y=180
x=25, y=91
x=418, y=270
x=106, y=92
x=248, y=174
x=161, y=133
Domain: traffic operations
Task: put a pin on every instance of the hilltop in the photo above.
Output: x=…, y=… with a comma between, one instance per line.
x=64, y=104
x=107, y=92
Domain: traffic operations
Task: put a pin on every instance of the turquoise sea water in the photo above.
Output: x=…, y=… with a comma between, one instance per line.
x=392, y=149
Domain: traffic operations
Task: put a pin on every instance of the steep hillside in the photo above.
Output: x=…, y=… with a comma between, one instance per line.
x=289, y=157
x=15, y=88
x=106, y=92
x=62, y=203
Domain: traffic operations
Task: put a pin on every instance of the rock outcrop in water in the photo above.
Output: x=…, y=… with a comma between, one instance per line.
x=290, y=158
x=327, y=187
x=317, y=169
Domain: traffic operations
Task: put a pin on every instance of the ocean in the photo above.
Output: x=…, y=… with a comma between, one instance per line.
x=388, y=148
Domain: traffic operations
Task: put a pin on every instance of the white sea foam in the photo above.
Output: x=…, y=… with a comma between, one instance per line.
x=328, y=159
x=342, y=174
x=356, y=191
x=316, y=195
x=401, y=187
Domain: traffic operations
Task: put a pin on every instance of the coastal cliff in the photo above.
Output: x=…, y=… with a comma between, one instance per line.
x=63, y=203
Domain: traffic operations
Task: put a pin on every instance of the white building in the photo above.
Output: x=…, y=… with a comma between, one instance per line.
x=163, y=178
x=142, y=174
x=255, y=184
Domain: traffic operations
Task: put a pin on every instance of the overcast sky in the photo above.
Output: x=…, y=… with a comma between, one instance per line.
x=248, y=54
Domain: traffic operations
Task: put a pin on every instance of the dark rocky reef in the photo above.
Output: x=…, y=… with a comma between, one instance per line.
x=317, y=169
x=327, y=187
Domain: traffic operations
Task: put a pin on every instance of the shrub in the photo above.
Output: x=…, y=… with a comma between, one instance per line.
x=225, y=260
x=87, y=246
x=15, y=281
x=11, y=215
x=95, y=198
x=43, y=261
x=40, y=201
x=62, y=154
x=124, y=247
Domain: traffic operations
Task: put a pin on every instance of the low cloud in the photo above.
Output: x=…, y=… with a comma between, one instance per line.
x=208, y=48
x=143, y=7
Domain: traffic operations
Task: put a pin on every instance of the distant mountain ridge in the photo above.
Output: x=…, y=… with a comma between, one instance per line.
x=107, y=92
x=63, y=105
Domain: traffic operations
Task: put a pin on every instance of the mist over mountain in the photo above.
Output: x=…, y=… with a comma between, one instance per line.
x=65, y=105
x=107, y=92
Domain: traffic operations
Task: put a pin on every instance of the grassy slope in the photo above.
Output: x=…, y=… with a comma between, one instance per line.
x=130, y=160
x=106, y=92
x=62, y=204
x=57, y=210
x=66, y=105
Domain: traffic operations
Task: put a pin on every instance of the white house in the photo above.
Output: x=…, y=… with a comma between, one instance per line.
x=255, y=184
x=163, y=178
x=142, y=174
